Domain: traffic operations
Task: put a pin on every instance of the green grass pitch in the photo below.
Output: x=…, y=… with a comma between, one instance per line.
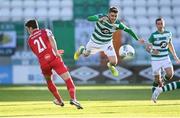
x=105, y=101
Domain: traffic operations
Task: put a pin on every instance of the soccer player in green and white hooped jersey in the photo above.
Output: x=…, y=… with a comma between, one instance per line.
x=159, y=47
x=101, y=38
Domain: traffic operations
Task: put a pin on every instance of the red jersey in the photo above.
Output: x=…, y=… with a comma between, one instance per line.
x=40, y=45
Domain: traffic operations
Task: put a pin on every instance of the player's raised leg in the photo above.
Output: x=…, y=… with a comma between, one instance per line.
x=111, y=54
x=168, y=87
x=112, y=65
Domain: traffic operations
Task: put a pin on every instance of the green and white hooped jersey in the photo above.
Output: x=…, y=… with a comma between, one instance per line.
x=160, y=42
x=103, y=31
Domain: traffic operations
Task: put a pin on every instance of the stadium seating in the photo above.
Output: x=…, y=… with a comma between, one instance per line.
x=116, y=3
x=29, y=13
x=53, y=13
x=53, y=3
x=142, y=21
x=152, y=11
x=175, y=3
x=165, y=11
x=127, y=3
x=41, y=13
x=175, y=11
x=164, y=3
x=5, y=4
x=17, y=14
x=16, y=3
x=140, y=11
x=178, y=31
x=4, y=14
x=66, y=14
x=140, y=3
x=19, y=10
x=151, y=3
x=41, y=3
x=169, y=21
x=29, y=3
x=128, y=11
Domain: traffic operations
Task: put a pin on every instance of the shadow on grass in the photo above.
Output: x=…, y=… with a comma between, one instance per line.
x=83, y=95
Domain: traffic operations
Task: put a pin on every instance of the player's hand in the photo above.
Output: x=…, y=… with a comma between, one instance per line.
x=58, y=55
x=177, y=60
x=61, y=52
x=149, y=48
x=103, y=19
x=141, y=41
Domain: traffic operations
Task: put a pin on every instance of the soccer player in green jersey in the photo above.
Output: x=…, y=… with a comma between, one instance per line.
x=168, y=87
x=160, y=43
x=101, y=38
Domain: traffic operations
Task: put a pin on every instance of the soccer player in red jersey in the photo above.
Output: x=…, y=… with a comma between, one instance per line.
x=43, y=45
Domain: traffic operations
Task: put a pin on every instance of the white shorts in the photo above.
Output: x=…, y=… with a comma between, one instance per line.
x=161, y=64
x=108, y=48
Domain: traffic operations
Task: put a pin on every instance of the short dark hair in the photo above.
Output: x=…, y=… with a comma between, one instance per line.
x=113, y=9
x=32, y=23
x=159, y=19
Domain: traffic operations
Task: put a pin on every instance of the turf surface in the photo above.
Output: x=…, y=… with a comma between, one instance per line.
x=97, y=100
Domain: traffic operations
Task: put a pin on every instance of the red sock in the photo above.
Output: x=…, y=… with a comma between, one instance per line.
x=71, y=88
x=52, y=88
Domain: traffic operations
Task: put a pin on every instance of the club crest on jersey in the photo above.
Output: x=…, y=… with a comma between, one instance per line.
x=110, y=48
x=105, y=31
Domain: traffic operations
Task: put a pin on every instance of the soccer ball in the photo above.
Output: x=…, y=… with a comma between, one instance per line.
x=126, y=52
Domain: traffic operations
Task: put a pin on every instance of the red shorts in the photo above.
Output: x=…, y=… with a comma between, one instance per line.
x=57, y=64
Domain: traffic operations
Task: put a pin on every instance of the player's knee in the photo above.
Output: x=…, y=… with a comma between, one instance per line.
x=169, y=76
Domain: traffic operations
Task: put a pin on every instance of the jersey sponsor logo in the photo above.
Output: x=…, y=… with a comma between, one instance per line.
x=47, y=57
x=105, y=31
x=163, y=44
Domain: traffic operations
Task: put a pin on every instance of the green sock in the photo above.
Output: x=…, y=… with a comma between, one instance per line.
x=171, y=86
x=81, y=51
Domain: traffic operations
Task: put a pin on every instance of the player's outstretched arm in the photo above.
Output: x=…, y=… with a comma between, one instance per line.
x=93, y=18
x=98, y=17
